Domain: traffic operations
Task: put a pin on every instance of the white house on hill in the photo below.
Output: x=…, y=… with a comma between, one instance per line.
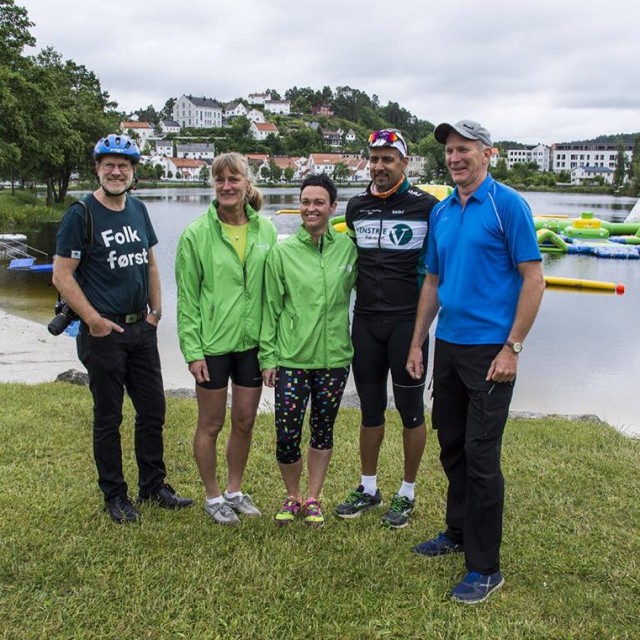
x=261, y=130
x=258, y=98
x=188, y=169
x=141, y=131
x=282, y=107
x=164, y=148
x=255, y=115
x=196, y=150
x=235, y=110
x=199, y=113
x=169, y=126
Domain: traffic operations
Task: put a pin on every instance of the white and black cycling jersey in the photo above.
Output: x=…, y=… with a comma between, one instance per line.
x=391, y=236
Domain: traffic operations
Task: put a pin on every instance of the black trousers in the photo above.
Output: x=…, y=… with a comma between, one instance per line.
x=470, y=415
x=116, y=362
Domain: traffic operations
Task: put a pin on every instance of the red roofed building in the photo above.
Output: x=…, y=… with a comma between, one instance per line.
x=188, y=168
x=260, y=130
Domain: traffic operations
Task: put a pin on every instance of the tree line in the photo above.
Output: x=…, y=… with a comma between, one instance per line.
x=51, y=110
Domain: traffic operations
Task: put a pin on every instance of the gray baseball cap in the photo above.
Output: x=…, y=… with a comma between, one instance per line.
x=466, y=128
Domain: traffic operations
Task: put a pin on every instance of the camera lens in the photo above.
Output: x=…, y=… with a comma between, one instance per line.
x=62, y=320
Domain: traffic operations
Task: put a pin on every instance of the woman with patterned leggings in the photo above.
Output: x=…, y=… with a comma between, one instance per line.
x=305, y=346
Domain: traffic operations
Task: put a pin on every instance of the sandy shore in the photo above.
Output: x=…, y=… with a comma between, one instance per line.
x=29, y=353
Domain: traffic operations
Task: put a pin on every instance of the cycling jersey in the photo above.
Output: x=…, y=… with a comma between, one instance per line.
x=390, y=235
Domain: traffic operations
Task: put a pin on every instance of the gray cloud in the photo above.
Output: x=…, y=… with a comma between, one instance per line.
x=535, y=72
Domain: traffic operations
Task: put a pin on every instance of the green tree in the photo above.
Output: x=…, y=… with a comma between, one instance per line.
x=289, y=173
x=274, y=145
x=620, y=169
x=14, y=34
x=435, y=165
x=15, y=91
x=500, y=171
x=302, y=142
x=275, y=171
x=148, y=114
x=203, y=175
x=633, y=172
x=68, y=113
x=166, y=113
x=341, y=172
x=265, y=172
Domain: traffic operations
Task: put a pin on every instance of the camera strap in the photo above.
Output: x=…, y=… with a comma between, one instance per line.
x=88, y=226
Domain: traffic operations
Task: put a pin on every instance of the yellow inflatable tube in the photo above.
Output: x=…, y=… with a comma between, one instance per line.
x=579, y=283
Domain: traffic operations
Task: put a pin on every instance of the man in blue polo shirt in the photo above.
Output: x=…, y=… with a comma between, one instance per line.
x=484, y=282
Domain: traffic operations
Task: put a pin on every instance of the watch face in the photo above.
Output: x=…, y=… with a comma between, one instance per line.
x=517, y=347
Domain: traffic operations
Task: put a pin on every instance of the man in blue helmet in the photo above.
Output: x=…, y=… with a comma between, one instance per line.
x=106, y=271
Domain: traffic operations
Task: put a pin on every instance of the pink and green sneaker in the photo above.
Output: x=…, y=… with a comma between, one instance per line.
x=313, y=515
x=288, y=511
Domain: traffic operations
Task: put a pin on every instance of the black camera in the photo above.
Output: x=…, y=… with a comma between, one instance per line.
x=65, y=315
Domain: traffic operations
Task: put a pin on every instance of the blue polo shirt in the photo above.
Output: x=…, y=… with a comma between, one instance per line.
x=475, y=251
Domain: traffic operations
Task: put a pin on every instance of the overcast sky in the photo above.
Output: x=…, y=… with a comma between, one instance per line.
x=530, y=71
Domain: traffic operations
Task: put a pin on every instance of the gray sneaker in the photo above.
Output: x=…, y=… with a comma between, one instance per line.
x=243, y=505
x=222, y=513
x=397, y=517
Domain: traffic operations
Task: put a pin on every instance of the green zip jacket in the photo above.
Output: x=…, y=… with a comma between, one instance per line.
x=219, y=298
x=305, y=318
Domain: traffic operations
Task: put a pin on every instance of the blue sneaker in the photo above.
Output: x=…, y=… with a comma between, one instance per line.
x=477, y=587
x=438, y=546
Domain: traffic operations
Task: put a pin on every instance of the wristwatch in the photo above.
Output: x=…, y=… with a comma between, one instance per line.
x=516, y=347
x=156, y=313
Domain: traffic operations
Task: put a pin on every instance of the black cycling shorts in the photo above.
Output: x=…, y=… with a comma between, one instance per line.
x=242, y=367
x=380, y=347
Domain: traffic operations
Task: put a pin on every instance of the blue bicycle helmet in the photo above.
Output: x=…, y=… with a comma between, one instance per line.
x=117, y=145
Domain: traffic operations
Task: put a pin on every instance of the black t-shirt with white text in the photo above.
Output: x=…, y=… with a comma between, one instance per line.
x=114, y=273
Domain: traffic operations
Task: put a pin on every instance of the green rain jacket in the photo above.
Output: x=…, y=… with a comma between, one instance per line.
x=219, y=298
x=305, y=319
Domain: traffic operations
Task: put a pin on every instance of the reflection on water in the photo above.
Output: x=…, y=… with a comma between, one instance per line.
x=581, y=357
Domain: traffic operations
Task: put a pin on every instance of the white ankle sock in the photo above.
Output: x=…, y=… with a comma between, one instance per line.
x=234, y=494
x=407, y=489
x=370, y=484
x=212, y=501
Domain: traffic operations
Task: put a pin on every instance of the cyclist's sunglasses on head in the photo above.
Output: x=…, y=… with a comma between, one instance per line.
x=389, y=136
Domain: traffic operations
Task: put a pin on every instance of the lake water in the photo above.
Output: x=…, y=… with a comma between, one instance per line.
x=582, y=356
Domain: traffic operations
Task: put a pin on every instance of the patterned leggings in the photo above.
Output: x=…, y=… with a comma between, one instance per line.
x=292, y=391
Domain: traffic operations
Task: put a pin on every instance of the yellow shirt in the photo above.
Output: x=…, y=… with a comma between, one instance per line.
x=238, y=237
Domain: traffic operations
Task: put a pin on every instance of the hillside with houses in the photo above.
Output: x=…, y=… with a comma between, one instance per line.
x=255, y=126
x=306, y=132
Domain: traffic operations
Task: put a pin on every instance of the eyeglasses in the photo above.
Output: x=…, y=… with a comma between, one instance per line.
x=122, y=166
x=387, y=135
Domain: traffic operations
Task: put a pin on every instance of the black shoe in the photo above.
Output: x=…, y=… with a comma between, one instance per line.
x=121, y=510
x=167, y=498
x=357, y=502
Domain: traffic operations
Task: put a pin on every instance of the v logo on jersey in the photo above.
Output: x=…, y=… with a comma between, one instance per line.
x=400, y=234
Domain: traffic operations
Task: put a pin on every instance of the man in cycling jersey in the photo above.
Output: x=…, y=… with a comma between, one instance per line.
x=389, y=222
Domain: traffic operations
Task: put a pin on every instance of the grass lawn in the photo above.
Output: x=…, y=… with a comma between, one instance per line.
x=570, y=554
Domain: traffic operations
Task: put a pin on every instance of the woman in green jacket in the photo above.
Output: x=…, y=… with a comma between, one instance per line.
x=305, y=346
x=220, y=273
